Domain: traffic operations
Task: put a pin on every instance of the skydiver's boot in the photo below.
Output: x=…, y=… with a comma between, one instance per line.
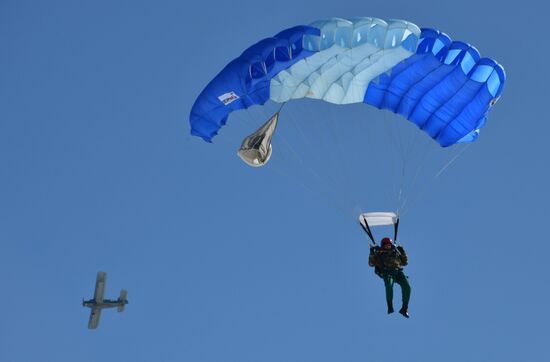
x=390, y=309
x=404, y=311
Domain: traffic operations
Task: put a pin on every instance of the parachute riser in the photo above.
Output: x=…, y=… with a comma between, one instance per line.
x=395, y=229
x=368, y=231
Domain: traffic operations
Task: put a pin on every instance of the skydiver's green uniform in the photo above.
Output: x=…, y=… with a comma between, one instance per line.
x=388, y=265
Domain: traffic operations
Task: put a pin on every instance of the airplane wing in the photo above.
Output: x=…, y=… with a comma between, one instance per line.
x=94, y=318
x=122, y=300
x=100, y=286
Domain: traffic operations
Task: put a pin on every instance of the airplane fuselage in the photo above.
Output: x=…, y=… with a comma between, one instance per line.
x=106, y=303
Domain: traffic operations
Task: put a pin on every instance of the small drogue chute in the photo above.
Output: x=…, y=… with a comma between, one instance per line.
x=256, y=148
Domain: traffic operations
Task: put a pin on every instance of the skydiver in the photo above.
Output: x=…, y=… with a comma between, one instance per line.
x=388, y=262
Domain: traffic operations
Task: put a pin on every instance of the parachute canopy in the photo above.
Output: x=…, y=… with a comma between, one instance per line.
x=442, y=86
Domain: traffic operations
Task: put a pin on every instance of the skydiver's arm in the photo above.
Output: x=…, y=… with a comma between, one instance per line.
x=372, y=257
x=403, y=256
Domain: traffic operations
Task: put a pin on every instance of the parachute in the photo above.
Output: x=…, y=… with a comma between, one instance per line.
x=444, y=87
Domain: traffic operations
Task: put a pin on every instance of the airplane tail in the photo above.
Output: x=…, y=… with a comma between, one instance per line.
x=122, y=300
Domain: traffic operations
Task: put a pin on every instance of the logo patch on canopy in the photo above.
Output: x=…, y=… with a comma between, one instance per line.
x=229, y=97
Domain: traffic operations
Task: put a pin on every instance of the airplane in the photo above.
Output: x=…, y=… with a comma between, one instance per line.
x=98, y=303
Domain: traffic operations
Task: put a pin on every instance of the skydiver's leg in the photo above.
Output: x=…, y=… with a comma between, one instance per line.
x=403, y=281
x=388, y=284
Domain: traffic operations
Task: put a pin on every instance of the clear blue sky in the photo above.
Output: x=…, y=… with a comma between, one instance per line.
x=98, y=172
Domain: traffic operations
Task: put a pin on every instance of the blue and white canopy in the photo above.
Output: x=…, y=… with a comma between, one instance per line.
x=443, y=86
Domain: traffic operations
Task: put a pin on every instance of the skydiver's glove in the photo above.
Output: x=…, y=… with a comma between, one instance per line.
x=401, y=250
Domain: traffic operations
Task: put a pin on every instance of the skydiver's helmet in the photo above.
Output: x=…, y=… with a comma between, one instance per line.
x=386, y=243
